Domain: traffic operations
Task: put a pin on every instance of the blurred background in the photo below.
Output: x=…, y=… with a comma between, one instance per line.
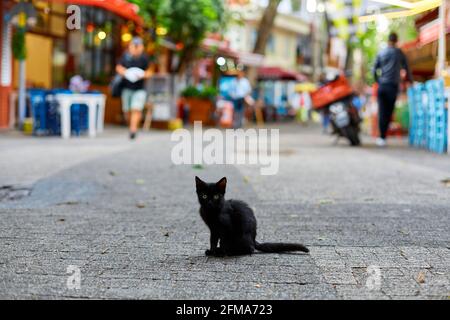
x=288, y=48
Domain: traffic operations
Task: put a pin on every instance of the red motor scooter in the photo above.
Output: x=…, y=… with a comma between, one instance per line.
x=335, y=99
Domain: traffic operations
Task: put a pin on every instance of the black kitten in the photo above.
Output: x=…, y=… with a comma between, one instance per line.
x=232, y=223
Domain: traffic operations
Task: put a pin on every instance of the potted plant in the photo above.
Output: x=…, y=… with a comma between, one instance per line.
x=201, y=103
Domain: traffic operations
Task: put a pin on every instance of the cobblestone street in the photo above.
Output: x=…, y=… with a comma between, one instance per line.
x=376, y=221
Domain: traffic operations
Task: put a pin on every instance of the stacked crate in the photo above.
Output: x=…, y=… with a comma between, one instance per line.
x=428, y=115
x=46, y=114
x=437, y=125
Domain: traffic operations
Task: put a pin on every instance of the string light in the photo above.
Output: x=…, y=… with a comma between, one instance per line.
x=221, y=61
x=126, y=37
x=161, y=31
x=101, y=35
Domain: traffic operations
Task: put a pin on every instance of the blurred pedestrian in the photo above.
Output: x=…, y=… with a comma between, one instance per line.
x=134, y=67
x=325, y=115
x=388, y=64
x=308, y=106
x=240, y=90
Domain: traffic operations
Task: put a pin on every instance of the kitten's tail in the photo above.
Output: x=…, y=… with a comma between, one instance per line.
x=280, y=247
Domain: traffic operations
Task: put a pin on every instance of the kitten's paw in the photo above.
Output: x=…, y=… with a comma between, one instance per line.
x=219, y=253
x=215, y=253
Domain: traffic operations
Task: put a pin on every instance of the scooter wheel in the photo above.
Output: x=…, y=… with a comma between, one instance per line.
x=351, y=133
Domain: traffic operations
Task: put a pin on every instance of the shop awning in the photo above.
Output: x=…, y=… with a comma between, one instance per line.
x=430, y=33
x=276, y=73
x=121, y=8
x=215, y=43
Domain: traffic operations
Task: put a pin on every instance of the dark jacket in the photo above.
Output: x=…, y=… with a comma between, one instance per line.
x=388, y=64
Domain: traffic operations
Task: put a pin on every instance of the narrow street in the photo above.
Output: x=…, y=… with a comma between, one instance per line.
x=128, y=218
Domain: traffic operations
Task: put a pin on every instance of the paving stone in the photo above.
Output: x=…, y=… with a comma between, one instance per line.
x=356, y=209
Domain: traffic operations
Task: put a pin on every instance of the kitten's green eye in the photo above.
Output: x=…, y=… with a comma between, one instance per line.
x=205, y=196
x=216, y=197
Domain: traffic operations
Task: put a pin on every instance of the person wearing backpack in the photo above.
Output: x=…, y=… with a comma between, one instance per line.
x=134, y=68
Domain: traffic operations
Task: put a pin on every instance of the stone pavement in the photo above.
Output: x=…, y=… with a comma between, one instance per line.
x=376, y=221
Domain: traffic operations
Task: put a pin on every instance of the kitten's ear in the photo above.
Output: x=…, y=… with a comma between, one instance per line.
x=222, y=185
x=199, y=183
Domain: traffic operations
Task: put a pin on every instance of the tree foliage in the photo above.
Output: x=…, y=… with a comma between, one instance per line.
x=151, y=11
x=18, y=44
x=369, y=41
x=187, y=22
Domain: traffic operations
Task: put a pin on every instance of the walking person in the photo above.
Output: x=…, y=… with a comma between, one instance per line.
x=240, y=89
x=388, y=65
x=325, y=116
x=134, y=67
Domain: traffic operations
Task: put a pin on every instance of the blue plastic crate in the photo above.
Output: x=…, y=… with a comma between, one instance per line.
x=36, y=98
x=437, y=126
x=53, y=115
x=428, y=115
x=418, y=116
x=46, y=113
x=79, y=119
x=412, y=105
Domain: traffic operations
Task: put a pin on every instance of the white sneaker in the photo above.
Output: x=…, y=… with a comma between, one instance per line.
x=381, y=143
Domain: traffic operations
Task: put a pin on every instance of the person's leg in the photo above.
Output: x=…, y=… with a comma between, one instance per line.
x=235, y=113
x=238, y=113
x=235, y=118
x=386, y=104
x=392, y=98
x=127, y=116
x=148, y=117
x=126, y=104
x=137, y=105
x=136, y=117
x=382, y=112
x=241, y=118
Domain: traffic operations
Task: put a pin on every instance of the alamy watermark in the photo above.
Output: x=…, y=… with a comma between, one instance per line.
x=231, y=147
x=73, y=21
x=373, y=282
x=74, y=279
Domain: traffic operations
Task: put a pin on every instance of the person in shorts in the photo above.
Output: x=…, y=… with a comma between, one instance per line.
x=134, y=95
x=240, y=89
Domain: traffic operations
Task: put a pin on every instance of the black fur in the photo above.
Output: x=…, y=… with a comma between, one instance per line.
x=232, y=224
